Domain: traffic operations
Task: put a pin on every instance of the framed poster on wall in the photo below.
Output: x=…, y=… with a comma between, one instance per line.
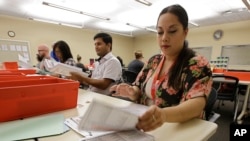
x=15, y=51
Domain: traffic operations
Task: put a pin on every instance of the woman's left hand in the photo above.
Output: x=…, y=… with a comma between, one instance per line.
x=151, y=119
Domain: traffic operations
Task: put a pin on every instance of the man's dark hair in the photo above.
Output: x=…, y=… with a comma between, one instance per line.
x=105, y=37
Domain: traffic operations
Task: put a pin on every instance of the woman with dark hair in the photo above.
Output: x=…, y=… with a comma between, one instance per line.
x=63, y=53
x=176, y=83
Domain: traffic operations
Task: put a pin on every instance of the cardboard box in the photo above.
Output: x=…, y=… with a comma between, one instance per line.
x=27, y=96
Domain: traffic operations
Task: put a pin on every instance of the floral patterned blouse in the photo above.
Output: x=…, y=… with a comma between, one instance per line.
x=197, y=80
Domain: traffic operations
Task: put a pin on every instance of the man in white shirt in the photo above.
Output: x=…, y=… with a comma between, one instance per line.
x=107, y=71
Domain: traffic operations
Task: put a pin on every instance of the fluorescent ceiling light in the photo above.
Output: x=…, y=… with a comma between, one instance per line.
x=141, y=27
x=193, y=23
x=73, y=10
x=118, y=33
x=247, y=3
x=53, y=22
x=45, y=21
x=137, y=26
x=119, y=27
x=71, y=25
x=151, y=29
x=145, y=2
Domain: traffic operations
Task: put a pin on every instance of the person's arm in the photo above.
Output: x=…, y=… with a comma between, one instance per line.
x=191, y=106
x=127, y=91
x=156, y=117
x=102, y=83
x=187, y=110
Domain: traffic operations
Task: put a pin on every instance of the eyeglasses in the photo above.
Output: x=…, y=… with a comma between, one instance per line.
x=41, y=50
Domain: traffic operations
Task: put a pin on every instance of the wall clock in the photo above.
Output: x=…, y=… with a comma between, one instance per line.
x=11, y=33
x=218, y=34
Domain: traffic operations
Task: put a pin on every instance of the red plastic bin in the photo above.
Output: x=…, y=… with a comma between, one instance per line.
x=19, y=71
x=10, y=65
x=23, y=71
x=28, y=97
x=243, y=76
x=7, y=72
x=23, y=77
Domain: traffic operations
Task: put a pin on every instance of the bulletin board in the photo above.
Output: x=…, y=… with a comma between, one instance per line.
x=12, y=50
x=204, y=51
x=238, y=54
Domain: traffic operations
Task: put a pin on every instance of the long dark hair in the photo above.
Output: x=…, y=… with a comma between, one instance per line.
x=65, y=50
x=185, y=54
x=177, y=69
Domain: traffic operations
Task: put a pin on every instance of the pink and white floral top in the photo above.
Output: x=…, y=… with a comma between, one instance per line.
x=196, y=80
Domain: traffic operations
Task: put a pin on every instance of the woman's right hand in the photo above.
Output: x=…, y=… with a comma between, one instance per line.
x=124, y=90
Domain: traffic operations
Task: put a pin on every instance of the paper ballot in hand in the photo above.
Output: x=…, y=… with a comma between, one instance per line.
x=103, y=121
x=60, y=68
x=112, y=118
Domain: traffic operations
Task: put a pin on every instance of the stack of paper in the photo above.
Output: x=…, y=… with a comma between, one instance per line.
x=103, y=120
x=63, y=69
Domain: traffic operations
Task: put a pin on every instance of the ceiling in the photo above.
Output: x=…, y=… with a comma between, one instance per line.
x=125, y=17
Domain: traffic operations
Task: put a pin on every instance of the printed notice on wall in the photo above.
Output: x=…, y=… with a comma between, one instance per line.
x=11, y=50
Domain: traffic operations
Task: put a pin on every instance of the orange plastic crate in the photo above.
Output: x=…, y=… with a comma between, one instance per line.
x=19, y=71
x=10, y=65
x=218, y=70
x=9, y=73
x=28, y=97
x=23, y=77
x=243, y=76
x=24, y=71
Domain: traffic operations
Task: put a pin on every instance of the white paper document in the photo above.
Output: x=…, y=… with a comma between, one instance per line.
x=60, y=68
x=103, y=117
x=74, y=124
x=103, y=121
x=130, y=135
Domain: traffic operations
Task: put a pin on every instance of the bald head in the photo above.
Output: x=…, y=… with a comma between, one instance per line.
x=43, y=50
x=43, y=47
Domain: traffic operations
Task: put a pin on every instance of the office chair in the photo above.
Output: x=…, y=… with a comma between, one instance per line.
x=227, y=90
x=129, y=76
x=210, y=115
x=210, y=103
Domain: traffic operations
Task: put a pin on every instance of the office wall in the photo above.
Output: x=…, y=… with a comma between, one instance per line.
x=80, y=40
x=236, y=33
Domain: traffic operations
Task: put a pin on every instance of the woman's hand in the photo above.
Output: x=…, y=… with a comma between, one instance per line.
x=151, y=119
x=124, y=90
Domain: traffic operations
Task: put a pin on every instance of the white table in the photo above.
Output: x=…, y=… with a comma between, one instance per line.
x=195, y=130
x=246, y=97
x=244, y=108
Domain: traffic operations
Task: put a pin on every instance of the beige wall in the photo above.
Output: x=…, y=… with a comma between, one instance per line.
x=234, y=34
x=81, y=40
